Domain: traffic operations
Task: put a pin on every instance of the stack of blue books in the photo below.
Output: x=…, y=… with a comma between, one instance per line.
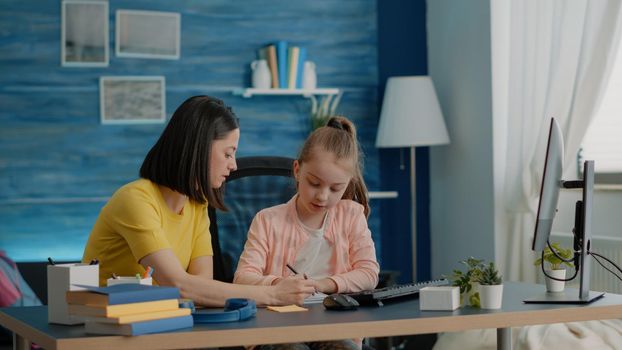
x=129, y=309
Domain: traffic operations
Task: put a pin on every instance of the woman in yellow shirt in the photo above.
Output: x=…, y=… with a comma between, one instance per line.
x=161, y=219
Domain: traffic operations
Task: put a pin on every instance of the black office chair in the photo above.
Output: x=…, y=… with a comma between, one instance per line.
x=259, y=182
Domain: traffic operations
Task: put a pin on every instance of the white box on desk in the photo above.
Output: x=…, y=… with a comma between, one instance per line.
x=441, y=298
x=62, y=278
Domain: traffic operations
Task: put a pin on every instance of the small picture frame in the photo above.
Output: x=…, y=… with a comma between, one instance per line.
x=147, y=34
x=132, y=99
x=84, y=33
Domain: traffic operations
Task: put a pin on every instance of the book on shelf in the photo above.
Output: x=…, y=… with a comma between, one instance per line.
x=122, y=309
x=292, y=66
x=120, y=294
x=286, y=64
x=138, y=328
x=281, y=55
x=302, y=57
x=145, y=316
x=272, y=64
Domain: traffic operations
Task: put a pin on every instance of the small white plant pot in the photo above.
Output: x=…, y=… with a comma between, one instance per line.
x=553, y=286
x=491, y=296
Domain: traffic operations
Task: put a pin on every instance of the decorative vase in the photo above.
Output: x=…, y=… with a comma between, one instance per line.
x=309, y=76
x=554, y=286
x=261, y=74
x=491, y=296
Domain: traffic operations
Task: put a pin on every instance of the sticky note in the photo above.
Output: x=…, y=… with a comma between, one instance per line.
x=288, y=308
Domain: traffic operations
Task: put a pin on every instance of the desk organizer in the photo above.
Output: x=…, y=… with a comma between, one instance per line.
x=442, y=298
x=124, y=280
x=64, y=277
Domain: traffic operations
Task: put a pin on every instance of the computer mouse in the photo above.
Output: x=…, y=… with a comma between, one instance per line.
x=338, y=301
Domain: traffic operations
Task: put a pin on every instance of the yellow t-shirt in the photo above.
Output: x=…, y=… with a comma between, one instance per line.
x=136, y=222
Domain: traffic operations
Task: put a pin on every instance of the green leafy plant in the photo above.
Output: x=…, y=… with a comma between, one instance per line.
x=465, y=279
x=322, y=110
x=555, y=262
x=489, y=275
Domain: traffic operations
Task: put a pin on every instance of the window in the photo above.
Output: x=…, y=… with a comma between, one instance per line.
x=603, y=140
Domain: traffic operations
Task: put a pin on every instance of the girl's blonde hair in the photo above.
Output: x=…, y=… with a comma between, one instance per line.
x=338, y=136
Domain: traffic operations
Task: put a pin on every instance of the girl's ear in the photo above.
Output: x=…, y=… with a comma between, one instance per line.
x=296, y=169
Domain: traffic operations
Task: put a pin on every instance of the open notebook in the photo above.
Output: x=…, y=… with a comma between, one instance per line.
x=315, y=298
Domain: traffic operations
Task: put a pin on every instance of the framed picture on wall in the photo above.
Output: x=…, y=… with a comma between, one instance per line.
x=132, y=99
x=147, y=34
x=84, y=33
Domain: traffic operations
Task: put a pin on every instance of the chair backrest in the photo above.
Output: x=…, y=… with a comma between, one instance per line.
x=259, y=182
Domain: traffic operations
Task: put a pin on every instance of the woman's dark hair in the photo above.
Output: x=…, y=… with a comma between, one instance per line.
x=339, y=138
x=180, y=158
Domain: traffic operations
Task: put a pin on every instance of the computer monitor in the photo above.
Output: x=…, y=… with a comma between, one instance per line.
x=547, y=207
x=549, y=189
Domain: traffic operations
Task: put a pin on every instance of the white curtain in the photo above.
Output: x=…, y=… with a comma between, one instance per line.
x=559, y=56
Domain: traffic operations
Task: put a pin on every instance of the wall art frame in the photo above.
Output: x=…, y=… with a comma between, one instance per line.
x=84, y=33
x=148, y=34
x=132, y=99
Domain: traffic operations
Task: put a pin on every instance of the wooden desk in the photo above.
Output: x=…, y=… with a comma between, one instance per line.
x=402, y=318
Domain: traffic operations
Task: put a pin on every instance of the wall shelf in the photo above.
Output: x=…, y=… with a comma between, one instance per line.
x=382, y=194
x=249, y=92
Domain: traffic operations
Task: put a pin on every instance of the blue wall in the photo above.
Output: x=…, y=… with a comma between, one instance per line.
x=58, y=164
x=402, y=50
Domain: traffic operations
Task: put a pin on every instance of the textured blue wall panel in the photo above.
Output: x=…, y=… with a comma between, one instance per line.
x=58, y=164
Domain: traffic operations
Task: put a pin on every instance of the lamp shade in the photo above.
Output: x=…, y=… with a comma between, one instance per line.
x=411, y=115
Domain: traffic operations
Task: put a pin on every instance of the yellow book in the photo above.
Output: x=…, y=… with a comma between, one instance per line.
x=140, y=317
x=122, y=309
x=292, y=66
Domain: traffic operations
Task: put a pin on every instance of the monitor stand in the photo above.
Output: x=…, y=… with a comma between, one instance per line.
x=565, y=297
x=583, y=235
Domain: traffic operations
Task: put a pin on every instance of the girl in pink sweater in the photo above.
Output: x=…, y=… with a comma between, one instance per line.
x=322, y=231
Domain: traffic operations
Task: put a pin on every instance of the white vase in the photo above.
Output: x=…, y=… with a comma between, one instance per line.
x=491, y=296
x=261, y=74
x=309, y=76
x=553, y=286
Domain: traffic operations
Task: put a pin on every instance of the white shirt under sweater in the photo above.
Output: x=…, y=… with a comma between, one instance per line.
x=313, y=258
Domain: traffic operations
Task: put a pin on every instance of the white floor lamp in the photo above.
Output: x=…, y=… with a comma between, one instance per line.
x=411, y=116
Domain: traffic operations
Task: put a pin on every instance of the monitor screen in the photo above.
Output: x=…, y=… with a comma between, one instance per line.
x=549, y=190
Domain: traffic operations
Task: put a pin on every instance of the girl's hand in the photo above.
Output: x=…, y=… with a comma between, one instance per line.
x=292, y=290
x=279, y=279
x=326, y=286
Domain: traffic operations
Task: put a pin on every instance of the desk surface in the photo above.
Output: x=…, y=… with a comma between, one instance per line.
x=399, y=318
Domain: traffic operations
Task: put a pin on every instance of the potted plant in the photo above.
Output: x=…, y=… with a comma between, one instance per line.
x=467, y=281
x=555, y=267
x=490, y=287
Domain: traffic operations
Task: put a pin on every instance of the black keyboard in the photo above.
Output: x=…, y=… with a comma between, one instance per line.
x=394, y=293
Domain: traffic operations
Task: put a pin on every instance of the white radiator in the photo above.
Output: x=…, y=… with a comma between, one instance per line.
x=601, y=279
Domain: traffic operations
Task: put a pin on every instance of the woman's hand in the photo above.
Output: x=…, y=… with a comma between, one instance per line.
x=292, y=290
